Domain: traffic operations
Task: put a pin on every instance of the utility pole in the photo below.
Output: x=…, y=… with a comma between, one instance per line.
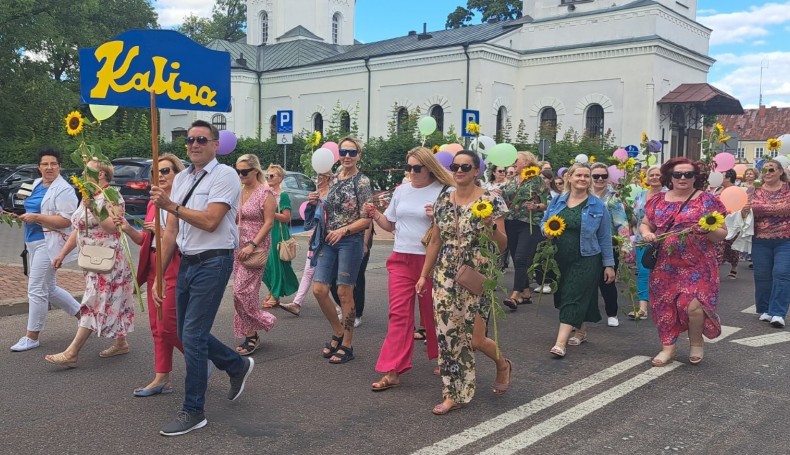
x=763, y=65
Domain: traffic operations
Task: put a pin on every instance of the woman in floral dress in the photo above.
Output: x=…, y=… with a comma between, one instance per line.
x=256, y=217
x=108, y=304
x=459, y=314
x=684, y=284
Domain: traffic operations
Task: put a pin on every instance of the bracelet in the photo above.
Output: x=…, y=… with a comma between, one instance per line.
x=250, y=242
x=178, y=206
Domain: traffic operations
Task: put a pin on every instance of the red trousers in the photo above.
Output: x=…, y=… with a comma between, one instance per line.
x=398, y=348
x=164, y=331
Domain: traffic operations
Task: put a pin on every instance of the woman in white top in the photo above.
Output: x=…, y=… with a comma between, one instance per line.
x=409, y=214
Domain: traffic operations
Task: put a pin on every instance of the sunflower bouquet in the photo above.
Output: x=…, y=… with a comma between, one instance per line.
x=527, y=174
x=545, y=254
x=714, y=141
x=89, y=189
x=489, y=268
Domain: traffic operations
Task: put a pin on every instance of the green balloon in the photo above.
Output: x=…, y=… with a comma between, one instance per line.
x=427, y=125
x=651, y=160
x=502, y=155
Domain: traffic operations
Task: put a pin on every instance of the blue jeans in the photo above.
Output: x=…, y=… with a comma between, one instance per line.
x=339, y=263
x=198, y=294
x=643, y=276
x=771, y=258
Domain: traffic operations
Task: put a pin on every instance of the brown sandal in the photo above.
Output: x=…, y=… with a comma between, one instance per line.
x=384, y=384
x=500, y=388
x=114, y=350
x=61, y=360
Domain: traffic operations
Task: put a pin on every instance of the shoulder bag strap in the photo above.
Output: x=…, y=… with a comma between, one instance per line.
x=192, y=190
x=282, y=225
x=672, y=222
x=457, y=233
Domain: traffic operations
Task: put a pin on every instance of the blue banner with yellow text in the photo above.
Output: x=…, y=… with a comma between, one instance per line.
x=183, y=74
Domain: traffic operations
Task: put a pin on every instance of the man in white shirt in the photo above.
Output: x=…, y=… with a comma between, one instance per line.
x=205, y=200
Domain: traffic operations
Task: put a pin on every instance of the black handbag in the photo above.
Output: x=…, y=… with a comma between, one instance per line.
x=650, y=256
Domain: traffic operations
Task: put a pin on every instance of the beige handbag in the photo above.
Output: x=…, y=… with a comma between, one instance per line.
x=98, y=259
x=469, y=278
x=286, y=249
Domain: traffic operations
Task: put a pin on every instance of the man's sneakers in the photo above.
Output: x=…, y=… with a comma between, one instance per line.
x=765, y=317
x=778, y=322
x=183, y=424
x=25, y=344
x=237, y=382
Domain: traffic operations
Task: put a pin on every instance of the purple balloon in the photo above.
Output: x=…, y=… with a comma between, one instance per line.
x=482, y=169
x=654, y=146
x=445, y=159
x=561, y=171
x=227, y=142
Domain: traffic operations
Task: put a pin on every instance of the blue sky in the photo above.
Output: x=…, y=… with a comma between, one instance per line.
x=747, y=35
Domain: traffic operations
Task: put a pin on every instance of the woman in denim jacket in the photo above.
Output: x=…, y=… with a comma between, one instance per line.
x=584, y=254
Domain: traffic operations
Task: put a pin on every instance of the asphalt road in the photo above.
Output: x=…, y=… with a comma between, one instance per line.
x=603, y=398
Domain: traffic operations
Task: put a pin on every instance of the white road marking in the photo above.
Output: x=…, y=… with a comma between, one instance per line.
x=764, y=340
x=560, y=421
x=752, y=309
x=725, y=332
x=491, y=426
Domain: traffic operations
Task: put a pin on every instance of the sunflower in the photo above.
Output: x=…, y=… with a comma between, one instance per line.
x=719, y=129
x=630, y=162
x=78, y=183
x=482, y=209
x=473, y=128
x=643, y=181
x=316, y=138
x=74, y=123
x=435, y=149
x=554, y=226
x=644, y=136
x=774, y=144
x=724, y=139
x=711, y=221
x=591, y=159
x=529, y=172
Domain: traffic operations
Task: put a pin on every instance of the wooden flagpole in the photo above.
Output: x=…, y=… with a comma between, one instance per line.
x=157, y=218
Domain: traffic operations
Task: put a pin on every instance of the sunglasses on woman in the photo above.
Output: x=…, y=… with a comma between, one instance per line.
x=463, y=167
x=500, y=171
x=202, y=140
x=769, y=170
x=271, y=176
x=164, y=170
x=349, y=152
x=686, y=175
x=600, y=176
x=417, y=168
x=244, y=172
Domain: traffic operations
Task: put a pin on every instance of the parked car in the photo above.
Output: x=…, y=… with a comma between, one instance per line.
x=17, y=204
x=10, y=183
x=297, y=186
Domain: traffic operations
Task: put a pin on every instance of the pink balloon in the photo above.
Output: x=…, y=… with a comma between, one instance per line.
x=302, y=209
x=334, y=148
x=740, y=169
x=724, y=161
x=452, y=149
x=615, y=175
x=620, y=154
x=734, y=198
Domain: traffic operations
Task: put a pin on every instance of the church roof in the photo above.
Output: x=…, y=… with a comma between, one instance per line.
x=299, y=31
x=276, y=56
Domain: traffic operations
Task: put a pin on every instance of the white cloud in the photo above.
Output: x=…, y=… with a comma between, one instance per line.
x=759, y=43
x=743, y=26
x=743, y=82
x=172, y=12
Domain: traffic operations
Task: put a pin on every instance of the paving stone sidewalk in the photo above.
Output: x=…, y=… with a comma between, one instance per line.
x=13, y=287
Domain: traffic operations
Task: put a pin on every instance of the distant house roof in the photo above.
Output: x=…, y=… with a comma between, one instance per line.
x=299, y=31
x=758, y=124
x=708, y=99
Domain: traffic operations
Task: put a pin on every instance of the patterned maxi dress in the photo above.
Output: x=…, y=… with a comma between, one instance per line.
x=108, y=304
x=247, y=282
x=685, y=270
x=456, y=308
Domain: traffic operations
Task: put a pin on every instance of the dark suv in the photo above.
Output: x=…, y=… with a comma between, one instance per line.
x=132, y=178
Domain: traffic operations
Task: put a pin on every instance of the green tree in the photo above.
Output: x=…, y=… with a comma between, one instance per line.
x=489, y=10
x=228, y=22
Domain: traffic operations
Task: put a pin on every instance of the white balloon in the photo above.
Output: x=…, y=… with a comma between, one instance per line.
x=784, y=160
x=582, y=158
x=482, y=144
x=322, y=160
x=716, y=179
x=785, y=138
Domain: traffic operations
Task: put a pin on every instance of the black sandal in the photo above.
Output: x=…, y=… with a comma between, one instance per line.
x=419, y=334
x=511, y=303
x=250, y=344
x=343, y=353
x=332, y=349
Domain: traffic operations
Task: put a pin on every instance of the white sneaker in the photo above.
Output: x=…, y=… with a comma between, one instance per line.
x=25, y=344
x=778, y=322
x=358, y=322
x=545, y=289
x=339, y=314
x=765, y=317
x=612, y=321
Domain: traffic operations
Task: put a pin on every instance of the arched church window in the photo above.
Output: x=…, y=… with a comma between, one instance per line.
x=219, y=121
x=264, y=27
x=318, y=122
x=594, y=120
x=336, y=28
x=402, y=119
x=548, y=123
x=273, y=126
x=345, y=122
x=501, y=121
x=437, y=112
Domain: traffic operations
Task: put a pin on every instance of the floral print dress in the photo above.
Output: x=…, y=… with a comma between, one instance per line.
x=455, y=307
x=247, y=282
x=685, y=270
x=108, y=304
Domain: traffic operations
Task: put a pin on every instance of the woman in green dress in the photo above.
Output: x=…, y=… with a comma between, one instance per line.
x=279, y=276
x=584, y=252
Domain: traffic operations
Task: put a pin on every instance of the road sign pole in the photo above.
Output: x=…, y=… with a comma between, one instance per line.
x=285, y=157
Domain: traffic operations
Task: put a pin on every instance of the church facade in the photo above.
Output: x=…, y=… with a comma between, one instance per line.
x=590, y=65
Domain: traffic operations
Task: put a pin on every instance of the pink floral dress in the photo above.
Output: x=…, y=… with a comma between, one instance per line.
x=685, y=270
x=108, y=304
x=247, y=282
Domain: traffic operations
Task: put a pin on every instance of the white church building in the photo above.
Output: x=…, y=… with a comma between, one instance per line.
x=592, y=65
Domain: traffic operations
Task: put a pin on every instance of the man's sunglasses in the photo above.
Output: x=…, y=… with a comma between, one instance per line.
x=463, y=167
x=686, y=175
x=417, y=168
x=600, y=176
x=349, y=152
x=202, y=140
x=244, y=172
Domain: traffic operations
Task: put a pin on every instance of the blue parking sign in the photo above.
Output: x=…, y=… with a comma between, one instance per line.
x=285, y=122
x=468, y=115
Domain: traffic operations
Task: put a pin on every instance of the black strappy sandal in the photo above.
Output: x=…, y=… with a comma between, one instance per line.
x=249, y=345
x=332, y=349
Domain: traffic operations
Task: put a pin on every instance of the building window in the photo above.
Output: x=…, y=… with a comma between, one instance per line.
x=318, y=123
x=345, y=122
x=775, y=153
x=740, y=153
x=501, y=121
x=594, y=123
x=336, y=28
x=548, y=124
x=437, y=113
x=273, y=126
x=264, y=28
x=219, y=121
x=178, y=132
x=759, y=152
x=402, y=119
